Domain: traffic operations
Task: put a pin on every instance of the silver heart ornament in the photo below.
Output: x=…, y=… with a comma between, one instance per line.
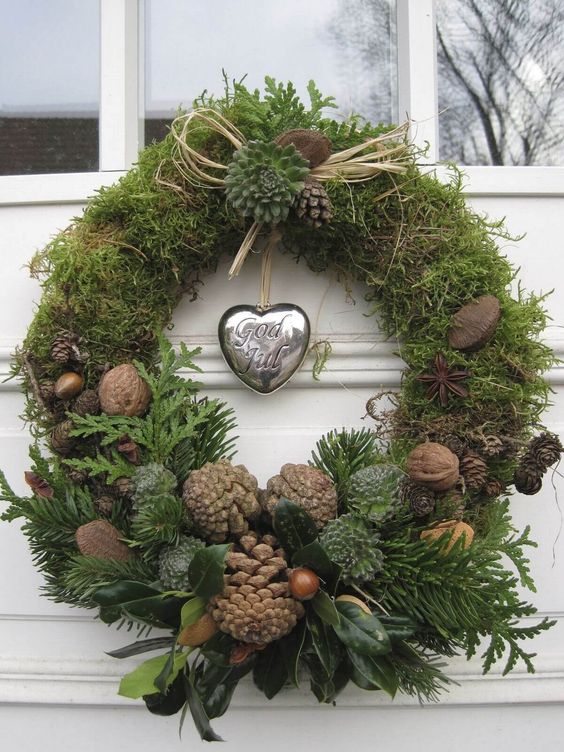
x=264, y=347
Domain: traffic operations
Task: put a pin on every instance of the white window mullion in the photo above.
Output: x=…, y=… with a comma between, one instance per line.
x=119, y=84
x=417, y=72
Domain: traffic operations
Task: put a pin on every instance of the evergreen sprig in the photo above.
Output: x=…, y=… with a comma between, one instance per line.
x=340, y=454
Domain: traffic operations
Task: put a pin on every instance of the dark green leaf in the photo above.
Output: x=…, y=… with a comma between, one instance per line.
x=110, y=614
x=218, y=648
x=360, y=631
x=168, y=703
x=325, y=642
x=206, y=570
x=270, y=673
x=142, y=646
x=199, y=715
x=161, y=611
x=324, y=607
x=313, y=556
x=162, y=680
x=378, y=671
x=293, y=526
x=323, y=686
x=141, y=681
x=398, y=627
x=291, y=648
x=123, y=591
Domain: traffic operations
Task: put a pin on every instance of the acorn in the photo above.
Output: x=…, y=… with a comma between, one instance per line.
x=199, y=632
x=304, y=583
x=357, y=602
x=68, y=385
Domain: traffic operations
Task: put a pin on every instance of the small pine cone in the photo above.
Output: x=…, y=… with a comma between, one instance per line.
x=104, y=505
x=528, y=476
x=455, y=444
x=307, y=487
x=77, y=476
x=474, y=470
x=221, y=498
x=491, y=446
x=450, y=505
x=123, y=487
x=313, y=205
x=545, y=450
x=65, y=348
x=86, y=403
x=256, y=605
x=47, y=393
x=493, y=488
x=421, y=499
x=61, y=440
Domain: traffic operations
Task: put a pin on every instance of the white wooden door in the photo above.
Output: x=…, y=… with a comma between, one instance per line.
x=57, y=689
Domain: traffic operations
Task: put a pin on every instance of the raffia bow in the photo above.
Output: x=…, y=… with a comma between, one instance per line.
x=388, y=152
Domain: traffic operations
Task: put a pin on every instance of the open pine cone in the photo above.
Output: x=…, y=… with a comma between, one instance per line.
x=256, y=605
x=221, y=498
x=306, y=486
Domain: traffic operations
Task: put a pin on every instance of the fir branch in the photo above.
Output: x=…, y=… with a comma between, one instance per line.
x=83, y=575
x=159, y=521
x=339, y=454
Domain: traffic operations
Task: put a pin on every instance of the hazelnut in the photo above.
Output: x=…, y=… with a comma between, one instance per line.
x=304, y=583
x=68, y=385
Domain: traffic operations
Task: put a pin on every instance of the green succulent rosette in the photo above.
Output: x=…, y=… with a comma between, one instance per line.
x=352, y=543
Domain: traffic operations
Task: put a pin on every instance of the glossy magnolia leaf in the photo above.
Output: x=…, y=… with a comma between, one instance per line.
x=191, y=611
x=206, y=570
x=199, y=715
x=398, y=627
x=215, y=686
x=161, y=611
x=293, y=526
x=360, y=631
x=314, y=557
x=142, y=646
x=141, y=681
x=290, y=648
x=218, y=649
x=377, y=671
x=326, y=644
x=325, y=687
x=123, y=591
x=167, y=703
x=325, y=608
x=269, y=672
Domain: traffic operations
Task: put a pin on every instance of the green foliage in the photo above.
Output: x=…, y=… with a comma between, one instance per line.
x=352, y=543
x=464, y=595
x=157, y=522
x=152, y=480
x=339, y=454
x=85, y=575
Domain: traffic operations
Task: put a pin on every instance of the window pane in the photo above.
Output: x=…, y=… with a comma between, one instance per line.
x=346, y=46
x=49, y=86
x=501, y=81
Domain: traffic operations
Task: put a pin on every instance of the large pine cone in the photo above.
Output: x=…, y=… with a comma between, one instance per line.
x=545, y=450
x=221, y=498
x=313, y=205
x=256, y=605
x=474, y=470
x=306, y=486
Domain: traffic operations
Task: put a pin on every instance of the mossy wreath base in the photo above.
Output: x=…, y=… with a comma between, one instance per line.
x=367, y=565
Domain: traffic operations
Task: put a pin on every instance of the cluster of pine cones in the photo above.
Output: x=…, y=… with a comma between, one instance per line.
x=542, y=452
x=224, y=502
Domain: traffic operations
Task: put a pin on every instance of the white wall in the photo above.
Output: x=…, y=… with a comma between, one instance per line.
x=57, y=689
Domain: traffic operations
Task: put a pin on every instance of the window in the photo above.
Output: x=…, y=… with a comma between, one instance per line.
x=49, y=92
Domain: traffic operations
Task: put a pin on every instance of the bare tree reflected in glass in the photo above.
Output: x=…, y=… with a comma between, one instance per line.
x=501, y=75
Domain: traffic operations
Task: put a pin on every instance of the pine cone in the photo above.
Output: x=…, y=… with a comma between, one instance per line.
x=474, y=470
x=123, y=487
x=545, y=450
x=104, y=506
x=221, y=499
x=77, y=476
x=494, y=488
x=263, y=179
x=528, y=476
x=256, y=605
x=86, y=403
x=313, y=205
x=455, y=444
x=421, y=500
x=65, y=348
x=306, y=486
x=491, y=446
x=61, y=440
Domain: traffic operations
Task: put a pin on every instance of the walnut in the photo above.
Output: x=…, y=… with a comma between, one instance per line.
x=433, y=465
x=123, y=392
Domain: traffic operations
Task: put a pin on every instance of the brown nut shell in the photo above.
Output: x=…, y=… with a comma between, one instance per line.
x=475, y=323
x=199, y=632
x=123, y=392
x=304, y=583
x=312, y=145
x=68, y=385
x=433, y=465
x=102, y=540
x=458, y=529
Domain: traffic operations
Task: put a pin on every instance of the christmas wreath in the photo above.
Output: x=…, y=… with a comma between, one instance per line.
x=393, y=546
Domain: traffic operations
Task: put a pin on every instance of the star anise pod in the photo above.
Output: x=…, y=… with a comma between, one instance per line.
x=442, y=380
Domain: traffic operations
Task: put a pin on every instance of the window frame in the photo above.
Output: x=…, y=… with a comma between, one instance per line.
x=122, y=108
